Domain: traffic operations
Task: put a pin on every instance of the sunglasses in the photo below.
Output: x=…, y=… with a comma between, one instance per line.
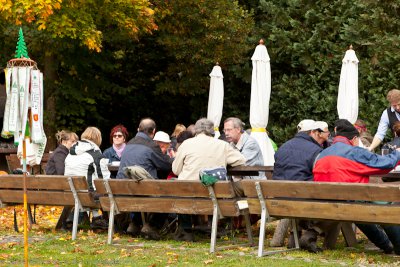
x=117, y=135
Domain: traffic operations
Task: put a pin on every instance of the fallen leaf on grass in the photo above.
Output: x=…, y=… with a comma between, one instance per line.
x=99, y=251
x=77, y=250
x=4, y=256
x=208, y=261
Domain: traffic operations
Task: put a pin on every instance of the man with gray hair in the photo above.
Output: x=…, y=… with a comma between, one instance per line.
x=201, y=152
x=204, y=151
x=242, y=141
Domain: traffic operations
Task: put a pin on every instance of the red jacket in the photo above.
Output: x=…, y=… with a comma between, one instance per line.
x=343, y=162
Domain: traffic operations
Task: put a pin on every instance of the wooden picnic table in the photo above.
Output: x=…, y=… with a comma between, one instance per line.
x=391, y=177
x=239, y=170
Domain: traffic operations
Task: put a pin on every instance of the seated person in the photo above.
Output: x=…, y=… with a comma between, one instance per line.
x=345, y=161
x=200, y=152
x=118, y=137
x=85, y=159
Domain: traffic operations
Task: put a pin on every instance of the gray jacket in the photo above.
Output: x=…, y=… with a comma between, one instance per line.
x=250, y=149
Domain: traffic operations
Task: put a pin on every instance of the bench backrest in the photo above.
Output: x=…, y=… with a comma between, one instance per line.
x=333, y=201
x=44, y=190
x=167, y=196
x=13, y=162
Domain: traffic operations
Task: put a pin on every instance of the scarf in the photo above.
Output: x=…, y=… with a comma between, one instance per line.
x=119, y=150
x=341, y=139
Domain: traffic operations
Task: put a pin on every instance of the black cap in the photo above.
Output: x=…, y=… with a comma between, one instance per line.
x=344, y=128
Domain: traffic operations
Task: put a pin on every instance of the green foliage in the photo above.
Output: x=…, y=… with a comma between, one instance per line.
x=117, y=61
x=307, y=41
x=196, y=35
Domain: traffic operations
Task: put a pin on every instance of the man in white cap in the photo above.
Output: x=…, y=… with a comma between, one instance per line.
x=163, y=140
x=294, y=160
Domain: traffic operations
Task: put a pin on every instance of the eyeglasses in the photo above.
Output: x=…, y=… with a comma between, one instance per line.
x=321, y=131
x=117, y=135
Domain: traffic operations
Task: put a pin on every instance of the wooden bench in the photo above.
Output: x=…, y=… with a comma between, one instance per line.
x=13, y=162
x=48, y=190
x=170, y=196
x=320, y=201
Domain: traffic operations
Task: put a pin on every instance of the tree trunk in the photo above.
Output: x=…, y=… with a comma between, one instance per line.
x=49, y=78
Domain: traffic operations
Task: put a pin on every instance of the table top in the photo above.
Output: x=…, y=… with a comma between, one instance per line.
x=239, y=170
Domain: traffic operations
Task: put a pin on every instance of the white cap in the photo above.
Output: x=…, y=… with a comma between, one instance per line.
x=305, y=125
x=321, y=125
x=162, y=137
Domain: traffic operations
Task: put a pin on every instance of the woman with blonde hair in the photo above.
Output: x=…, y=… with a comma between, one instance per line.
x=85, y=158
x=178, y=129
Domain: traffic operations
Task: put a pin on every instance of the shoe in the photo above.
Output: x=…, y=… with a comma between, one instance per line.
x=182, y=235
x=389, y=250
x=133, y=229
x=308, y=241
x=149, y=232
x=99, y=224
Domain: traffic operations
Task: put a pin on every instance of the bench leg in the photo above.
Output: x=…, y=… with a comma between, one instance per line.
x=214, y=230
x=295, y=233
x=111, y=223
x=75, y=222
x=248, y=227
x=262, y=232
x=349, y=234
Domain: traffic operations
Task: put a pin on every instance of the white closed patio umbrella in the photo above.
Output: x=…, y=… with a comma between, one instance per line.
x=259, y=101
x=216, y=98
x=347, y=103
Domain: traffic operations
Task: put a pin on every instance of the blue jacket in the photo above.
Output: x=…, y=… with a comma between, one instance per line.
x=144, y=152
x=111, y=154
x=294, y=159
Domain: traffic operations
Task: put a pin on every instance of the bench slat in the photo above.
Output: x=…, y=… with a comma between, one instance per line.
x=171, y=205
x=42, y=182
x=353, y=212
x=165, y=188
x=314, y=190
x=56, y=198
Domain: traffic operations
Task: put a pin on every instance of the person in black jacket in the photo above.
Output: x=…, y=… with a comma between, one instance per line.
x=56, y=166
x=65, y=139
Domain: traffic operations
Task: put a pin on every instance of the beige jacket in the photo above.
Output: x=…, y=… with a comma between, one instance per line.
x=202, y=152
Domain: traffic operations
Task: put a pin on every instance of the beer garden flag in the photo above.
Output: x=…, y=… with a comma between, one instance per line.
x=23, y=114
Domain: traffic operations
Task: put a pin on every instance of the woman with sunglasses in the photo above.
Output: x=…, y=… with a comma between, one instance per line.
x=118, y=137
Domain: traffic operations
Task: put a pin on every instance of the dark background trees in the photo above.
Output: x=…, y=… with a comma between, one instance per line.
x=106, y=64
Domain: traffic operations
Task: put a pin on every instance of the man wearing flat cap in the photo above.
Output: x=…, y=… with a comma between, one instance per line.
x=345, y=161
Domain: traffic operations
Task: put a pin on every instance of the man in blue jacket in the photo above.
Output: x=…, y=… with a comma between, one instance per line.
x=144, y=152
x=294, y=160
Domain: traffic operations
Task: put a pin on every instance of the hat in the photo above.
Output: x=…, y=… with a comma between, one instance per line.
x=320, y=125
x=344, y=128
x=305, y=125
x=162, y=137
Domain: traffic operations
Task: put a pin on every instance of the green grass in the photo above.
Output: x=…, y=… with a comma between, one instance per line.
x=49, y=248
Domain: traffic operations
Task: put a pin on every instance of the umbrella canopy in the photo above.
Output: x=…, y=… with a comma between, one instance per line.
x=216, y=98
x=347, y=104
x=259, y=101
